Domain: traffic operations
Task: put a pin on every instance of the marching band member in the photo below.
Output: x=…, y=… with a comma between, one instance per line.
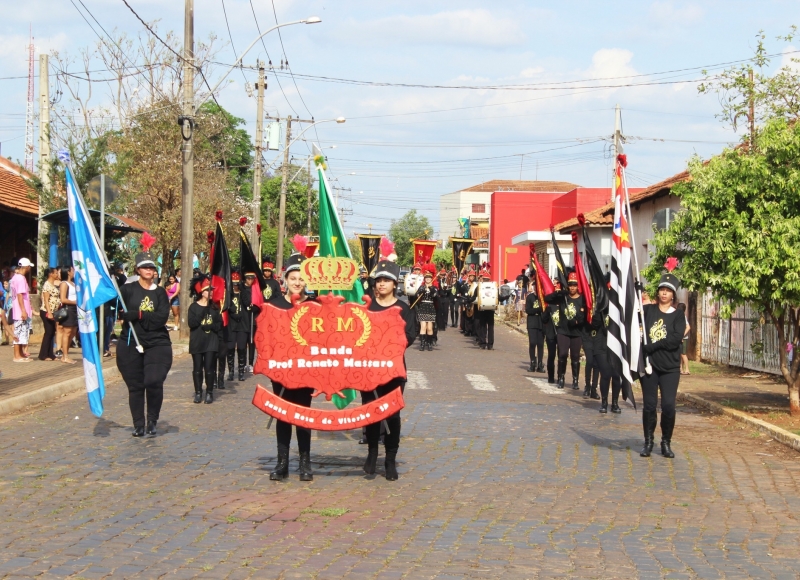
x=534, y=309
x=455, y=300
x=426, y=313
x=273, y=288
x=443, y=294
x=144, y=373
x=385, y=278
x=551, y=316
x=469, y=296
x=484, y=319
x=238, y=328
x=252, y=308
x=205, y=322
x=572, y=314
x=664, y=325
x=295, y=289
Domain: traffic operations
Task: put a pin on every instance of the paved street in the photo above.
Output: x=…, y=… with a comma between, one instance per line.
x=500, y=476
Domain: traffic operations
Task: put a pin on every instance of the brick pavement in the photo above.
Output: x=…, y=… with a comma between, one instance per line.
x=515, y=482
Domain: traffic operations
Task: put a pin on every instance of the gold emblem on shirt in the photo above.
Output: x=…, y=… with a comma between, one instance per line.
x=147, y=305
x=235, y=301
x=570, y=311
x=207, y=322
x=536, y=304
x=658, y=331
x=267, y=293
x=556, y=317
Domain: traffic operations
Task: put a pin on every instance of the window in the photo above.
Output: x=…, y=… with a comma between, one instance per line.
x=478, y=208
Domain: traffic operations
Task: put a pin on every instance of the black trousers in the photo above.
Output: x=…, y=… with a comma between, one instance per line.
x=602, y=366
x=485, y=327
x=391, y=440
x=47, y=340
x=283, y=430
x=551, y=356
x=237, y=339
x=536, y=344
x=144, y=374
x=454, y=307
x=204, y=362
x=441, y=314
x=667, y=383
x=222, y=356
x=568, y=346
x=593, y=346
x=469, y=325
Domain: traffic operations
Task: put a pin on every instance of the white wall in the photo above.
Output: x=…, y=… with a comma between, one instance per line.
x=457, y=205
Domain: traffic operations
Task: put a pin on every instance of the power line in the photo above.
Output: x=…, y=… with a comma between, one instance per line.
x=258, y=27
x=228, y=26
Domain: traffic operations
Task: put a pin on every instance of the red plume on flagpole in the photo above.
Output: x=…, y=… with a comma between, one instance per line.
x=242, y=221
x=582, y=220
x=386, y=247
x=258, y=229
x=218, y=215
x=147, y=241
x=210, y=237
x=623, y=159
x=671, y=264
x=300, y=242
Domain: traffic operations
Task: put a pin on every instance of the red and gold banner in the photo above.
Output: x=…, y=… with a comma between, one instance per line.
x=423, y=250
x=330, y=346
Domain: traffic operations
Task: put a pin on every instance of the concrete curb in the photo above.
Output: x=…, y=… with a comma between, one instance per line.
x=519, y=329
x=782, y=435
x=52, y=392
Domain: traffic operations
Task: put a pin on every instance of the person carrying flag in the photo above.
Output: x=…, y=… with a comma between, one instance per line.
x=572, y=315
x=664, y=326
x=536, y=331
x=205, y=323
x=144, y=372
x=251, y=301
x=238, y=328
x=551, y=316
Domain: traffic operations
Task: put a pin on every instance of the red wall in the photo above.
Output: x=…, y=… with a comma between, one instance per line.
x=515, y=212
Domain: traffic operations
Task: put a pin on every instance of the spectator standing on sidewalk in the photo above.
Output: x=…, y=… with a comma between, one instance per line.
x=173, y=293
x=50, y=303
x=519, y=301
x=21, y=310
x=5, y=315
x=69, y=299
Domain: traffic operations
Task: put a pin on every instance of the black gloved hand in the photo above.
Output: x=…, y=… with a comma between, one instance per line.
x=130, y=315
x=638, y=286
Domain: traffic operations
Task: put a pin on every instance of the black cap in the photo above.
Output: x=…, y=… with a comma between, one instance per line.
x=145, y=259
x=386, y=269
x=669, y=281
x=294, y=261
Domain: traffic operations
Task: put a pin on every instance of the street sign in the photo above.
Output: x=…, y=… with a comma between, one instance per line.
x=93, y=191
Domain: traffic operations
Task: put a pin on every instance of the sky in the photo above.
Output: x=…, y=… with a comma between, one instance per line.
x=404, y=146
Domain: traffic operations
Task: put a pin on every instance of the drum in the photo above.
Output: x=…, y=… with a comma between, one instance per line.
x=411, y=284
x=487, y=296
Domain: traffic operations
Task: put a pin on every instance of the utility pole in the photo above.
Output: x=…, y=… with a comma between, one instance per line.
x=259, y=145
x=617, y=145
x=309, y=197
x=186, y=121
x=284, y=184
x=44, y=140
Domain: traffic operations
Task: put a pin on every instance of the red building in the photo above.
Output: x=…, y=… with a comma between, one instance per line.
x=513, y=212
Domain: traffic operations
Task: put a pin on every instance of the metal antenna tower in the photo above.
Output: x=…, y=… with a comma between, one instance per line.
x=29, y=112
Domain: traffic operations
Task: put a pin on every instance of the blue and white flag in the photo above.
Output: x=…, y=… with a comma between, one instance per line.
x=93, y=287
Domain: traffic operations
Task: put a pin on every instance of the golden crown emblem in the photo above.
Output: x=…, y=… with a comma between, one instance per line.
x=329, y=273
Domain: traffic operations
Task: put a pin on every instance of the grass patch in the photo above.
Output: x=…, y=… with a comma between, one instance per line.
x=732, y=404
x=327, y=512
x=233, y=519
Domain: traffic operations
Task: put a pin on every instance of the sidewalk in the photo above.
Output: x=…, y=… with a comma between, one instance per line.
x=25, y=384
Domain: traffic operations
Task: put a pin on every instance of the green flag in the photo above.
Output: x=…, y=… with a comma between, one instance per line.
x=333, y=243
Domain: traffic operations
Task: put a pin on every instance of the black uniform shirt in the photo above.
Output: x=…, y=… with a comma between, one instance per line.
x=205, y=323
x=154, y=311
x=571, y=316
x=272, y=289
x=405, y=312
x=664, y=335
x=533, y=309
x=236, y=318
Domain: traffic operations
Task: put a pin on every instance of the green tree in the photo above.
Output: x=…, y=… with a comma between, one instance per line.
x=443, y=258
x=402, y=231
x=738, y=234
x=233, y=147
x=296, y=202
x=355, y=248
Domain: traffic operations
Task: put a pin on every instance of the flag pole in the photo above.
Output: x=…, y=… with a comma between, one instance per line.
x=92, y=229
x=647, y=366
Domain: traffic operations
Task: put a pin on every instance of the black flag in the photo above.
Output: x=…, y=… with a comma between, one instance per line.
x=247, y=260
x=561, y=270
x=597, y=282
x=370, y=250
x=461, y=248
x=220, y=268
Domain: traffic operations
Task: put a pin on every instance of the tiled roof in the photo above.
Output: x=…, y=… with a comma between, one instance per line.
x=517, y=185
x=14, y=191
x=604, y=216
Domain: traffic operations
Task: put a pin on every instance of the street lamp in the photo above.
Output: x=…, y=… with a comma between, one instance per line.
x=285, y=182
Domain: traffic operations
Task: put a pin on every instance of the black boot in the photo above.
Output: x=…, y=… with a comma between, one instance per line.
x=576, y=372
x=422, y=339
x=648, y=425
x=586, y=390
x=551, y=375
x=604, y=406
x=282, y=466
x=211, y=379
x=666, y=451
x=389, y=464
x=231, y=357
x=561, y=381
x=540, y=368
x=198, y=386
x=305, y=467
x=241, y=371
x=372, y=460
x=138, y=432
x=430, y=343
x=151, y=429
x=593, y=393
x=562, y=370
x=615, y=407
x=532, y=368
x=221, y=375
